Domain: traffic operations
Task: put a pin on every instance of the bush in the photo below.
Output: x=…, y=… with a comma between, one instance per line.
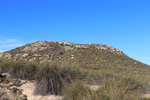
x=77, y=91
x=23, y=70
x=19, y=69
x=118, y=90
x=5, y=65
x=109, y=90
x=51, y=78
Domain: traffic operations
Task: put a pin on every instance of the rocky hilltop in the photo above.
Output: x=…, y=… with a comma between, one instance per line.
x=45, y=50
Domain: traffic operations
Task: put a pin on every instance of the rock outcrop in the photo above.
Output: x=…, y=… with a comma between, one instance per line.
x=46, y=50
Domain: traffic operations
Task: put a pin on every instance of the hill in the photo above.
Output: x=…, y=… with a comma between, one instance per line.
x=94, y=64
x=88, y=56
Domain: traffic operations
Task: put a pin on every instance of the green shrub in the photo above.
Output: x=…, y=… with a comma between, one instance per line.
x=77, y=91
x=51, y=78
x=5, y=65
x=23, y=70
x=19, y=69
x=134, y=85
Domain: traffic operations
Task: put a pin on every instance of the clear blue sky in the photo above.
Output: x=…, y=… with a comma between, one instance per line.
x=124, y=24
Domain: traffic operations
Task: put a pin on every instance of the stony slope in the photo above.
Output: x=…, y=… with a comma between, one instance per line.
x=95, y=56
x=46, y=49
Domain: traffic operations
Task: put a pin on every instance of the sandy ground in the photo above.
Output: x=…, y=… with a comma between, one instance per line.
x=146, y=96
x=4, y=93
x=28, y=89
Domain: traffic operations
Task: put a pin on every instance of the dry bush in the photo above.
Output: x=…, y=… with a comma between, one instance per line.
x=77, y=91
x=110, y=89
x=23, y=70
x=51, y=78
x=5, y=65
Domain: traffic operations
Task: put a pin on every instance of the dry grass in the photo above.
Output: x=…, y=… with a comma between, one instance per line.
x=110, y=90
x=51, y=78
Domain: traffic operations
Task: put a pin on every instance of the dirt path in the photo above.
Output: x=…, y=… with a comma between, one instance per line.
x=28, y=89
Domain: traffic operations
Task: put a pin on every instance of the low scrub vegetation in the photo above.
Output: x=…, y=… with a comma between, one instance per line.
x=5, y=65
x=74, y=82
x=18, y=69
x=51, y=78
x=23, y=70
x=109, y=90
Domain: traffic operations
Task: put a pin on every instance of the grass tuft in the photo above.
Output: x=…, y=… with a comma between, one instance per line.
x=109, y=90
x=51, y=79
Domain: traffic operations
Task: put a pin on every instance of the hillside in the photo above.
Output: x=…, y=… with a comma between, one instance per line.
x=93, y=63
x=88, y=56
x=45, y=50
